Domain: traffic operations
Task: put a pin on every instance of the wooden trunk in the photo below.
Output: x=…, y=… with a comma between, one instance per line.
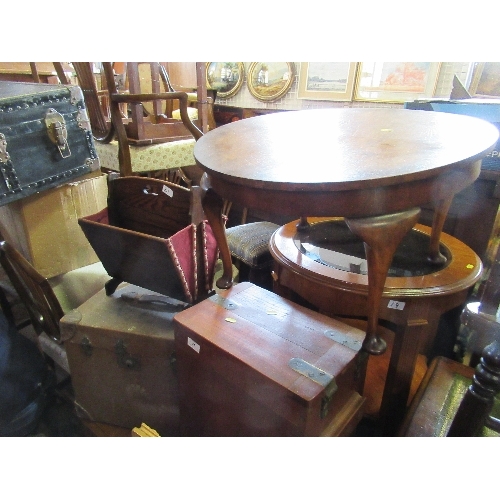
x=45, y=138
x=251, y=363
x=120, y=351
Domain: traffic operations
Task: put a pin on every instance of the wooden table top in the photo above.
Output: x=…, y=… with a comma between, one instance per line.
x=343, y=145
x=344, y=150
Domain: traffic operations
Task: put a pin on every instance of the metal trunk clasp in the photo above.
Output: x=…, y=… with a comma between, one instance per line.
x=56, y=130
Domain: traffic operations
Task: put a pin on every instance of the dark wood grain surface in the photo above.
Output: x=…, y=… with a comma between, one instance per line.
x=343, y=149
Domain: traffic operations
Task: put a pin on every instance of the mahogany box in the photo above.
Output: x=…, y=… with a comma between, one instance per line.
x=251, y=363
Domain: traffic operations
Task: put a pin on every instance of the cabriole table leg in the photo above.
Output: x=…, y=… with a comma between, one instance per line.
x=381, y=236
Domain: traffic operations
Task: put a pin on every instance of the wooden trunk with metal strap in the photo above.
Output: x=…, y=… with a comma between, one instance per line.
x=251, y=363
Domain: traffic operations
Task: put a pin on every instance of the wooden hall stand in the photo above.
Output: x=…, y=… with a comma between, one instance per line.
x=415, y=295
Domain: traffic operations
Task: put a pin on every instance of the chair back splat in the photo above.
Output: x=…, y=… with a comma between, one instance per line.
x=151, y=119
x=96, y=102
x=34, y=290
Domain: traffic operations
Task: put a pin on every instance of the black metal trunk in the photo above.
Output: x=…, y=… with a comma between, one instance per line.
x=45, y=138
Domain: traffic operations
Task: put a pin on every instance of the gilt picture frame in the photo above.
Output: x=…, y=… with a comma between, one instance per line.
x=269, y=81
x=327, y=81
x=485, y=80
x=226, y=78
x=396, y=81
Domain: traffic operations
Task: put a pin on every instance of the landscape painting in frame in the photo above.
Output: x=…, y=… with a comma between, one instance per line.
x=396, y=81
x=327, y=80
x=486, y=80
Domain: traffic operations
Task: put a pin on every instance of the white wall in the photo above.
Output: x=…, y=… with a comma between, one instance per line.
x=290, y=101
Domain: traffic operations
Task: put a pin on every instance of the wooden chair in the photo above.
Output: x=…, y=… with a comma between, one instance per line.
x=155, y=121
x=95, y=97
x=96, y=102
x=59, y=68
x=47, y=300
x=455, y=400
x=151, y=142
x=41, y=303
x=153, y=234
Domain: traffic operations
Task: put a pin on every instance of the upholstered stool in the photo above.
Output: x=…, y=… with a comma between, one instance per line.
x=249, y=246
x=325, y=266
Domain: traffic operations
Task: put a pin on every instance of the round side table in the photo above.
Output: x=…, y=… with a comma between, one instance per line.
x=324, y=264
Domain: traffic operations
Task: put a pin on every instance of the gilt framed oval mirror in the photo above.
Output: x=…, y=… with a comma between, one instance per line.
x=225, y=78
x=268, y=81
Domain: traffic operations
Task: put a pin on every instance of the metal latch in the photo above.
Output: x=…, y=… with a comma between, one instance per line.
x=4, y=155
x=86, y=346
x=344, y=339
x=228, y=304
x=56, y=130
x=320, y=377
x=6, y=168
x=124, y=358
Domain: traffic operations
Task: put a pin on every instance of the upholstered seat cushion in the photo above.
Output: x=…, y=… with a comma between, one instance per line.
x=162, y=156
x=192, y=113
x=249, y=243
x=73, y=288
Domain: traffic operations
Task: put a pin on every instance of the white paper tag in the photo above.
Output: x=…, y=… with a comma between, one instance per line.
x=394, y=304
x=167, y=191
x=193, y=345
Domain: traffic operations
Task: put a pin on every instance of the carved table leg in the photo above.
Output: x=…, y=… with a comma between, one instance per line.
x=440, y=214
x=212, y=206
x=381, y=236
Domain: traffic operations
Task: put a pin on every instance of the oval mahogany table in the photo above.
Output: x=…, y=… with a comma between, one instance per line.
x=323, y=266
x=373, y=166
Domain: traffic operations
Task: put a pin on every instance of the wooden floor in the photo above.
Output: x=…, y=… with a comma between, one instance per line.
x=377, y=372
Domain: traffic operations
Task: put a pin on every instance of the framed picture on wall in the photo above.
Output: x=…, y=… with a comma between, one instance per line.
x=327, y=80
x=225, y=78
x=268, y=81
x=396, y=81
x=486, y=80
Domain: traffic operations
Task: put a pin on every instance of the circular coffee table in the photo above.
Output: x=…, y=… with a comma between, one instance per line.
x=325, y=265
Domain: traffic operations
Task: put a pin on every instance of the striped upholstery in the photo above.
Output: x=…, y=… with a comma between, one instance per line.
x=249, y=243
